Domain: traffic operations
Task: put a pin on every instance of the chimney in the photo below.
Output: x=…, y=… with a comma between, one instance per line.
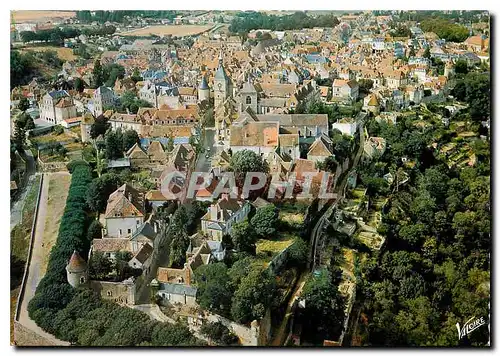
x=155, y=225
x=129, y=196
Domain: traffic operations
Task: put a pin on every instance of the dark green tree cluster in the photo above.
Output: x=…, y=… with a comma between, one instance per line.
x=121, y=16
x=243, y=292
x=116, y=142
x=445, y=29
x=99, y=127
x=245, y=161
x=474, y=89
x=434, y=271
x=219, y=333
x=246, y=21
x=100, y=189
x=183, y=224
x=58, y=35
x=401, y=31
x=131, y=103
x=22, y=66
x=323, y=316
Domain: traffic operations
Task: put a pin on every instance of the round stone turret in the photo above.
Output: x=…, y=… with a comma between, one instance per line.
x=77, y=271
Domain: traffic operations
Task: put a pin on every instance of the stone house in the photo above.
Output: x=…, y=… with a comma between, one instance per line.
x=222, y=215
x=102, y=99
x=125, y=212
x=345, y=90
x=56, y=106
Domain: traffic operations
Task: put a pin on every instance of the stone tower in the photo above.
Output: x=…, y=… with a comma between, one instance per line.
x=449, y=69
x=248, y=95
x=203, y=90
x=77, y=271
x=222, y=84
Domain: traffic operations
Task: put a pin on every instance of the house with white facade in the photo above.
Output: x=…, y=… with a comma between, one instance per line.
x=345, y=90
x=348, y=126
x=56, y=106
x=125, y=212
x=222, y=215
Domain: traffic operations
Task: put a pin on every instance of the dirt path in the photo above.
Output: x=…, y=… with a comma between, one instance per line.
x=282, y=332
x=35, y=273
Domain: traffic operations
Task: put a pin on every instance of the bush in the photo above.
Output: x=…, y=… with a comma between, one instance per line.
x=58, y=129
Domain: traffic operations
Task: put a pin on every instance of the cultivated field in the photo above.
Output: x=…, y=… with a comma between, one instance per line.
x=174, y=30
x=40, y=16
x=65, y=54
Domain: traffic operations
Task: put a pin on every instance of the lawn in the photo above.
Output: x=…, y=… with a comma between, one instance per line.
x=174, y=30
x=65, y=54
x=52, y=137
x=268, y=249
x=56, y=202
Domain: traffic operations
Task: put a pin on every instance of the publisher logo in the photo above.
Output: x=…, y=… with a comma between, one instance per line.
x=471, y=325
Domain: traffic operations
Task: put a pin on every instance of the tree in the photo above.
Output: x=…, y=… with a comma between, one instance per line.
x=95, y=230
x=79, y=85
x=100, y=190
x=214, y=289
x=99, y=127
x=265, y=221
x=298, y=253
x=245, y=161
x=100, y=266
x=217, y=332
x=113, y=144
x=365, y=85
x=111, y=72
x=427, y=52
x=130, y=138
x=255, y=295
x=136, y=76
x=461, y=67
x=23, y=104
x=243, y=237
x=97, y=74
x=324, y=308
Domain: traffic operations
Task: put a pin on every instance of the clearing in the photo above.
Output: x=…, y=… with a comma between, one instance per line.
x=40, y=16
x=174, y=30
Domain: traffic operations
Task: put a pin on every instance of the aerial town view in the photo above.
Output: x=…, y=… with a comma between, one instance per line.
x=250, y=178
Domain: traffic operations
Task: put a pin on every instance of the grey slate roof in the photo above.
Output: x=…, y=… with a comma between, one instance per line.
x=179, y=289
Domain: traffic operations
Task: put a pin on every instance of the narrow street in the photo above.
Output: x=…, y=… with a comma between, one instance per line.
x=203, y=163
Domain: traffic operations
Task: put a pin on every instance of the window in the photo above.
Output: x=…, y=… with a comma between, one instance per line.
x=82, y=280
x=249, y=100
x=120, y=231
x=129, y=231
x=109, y=293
